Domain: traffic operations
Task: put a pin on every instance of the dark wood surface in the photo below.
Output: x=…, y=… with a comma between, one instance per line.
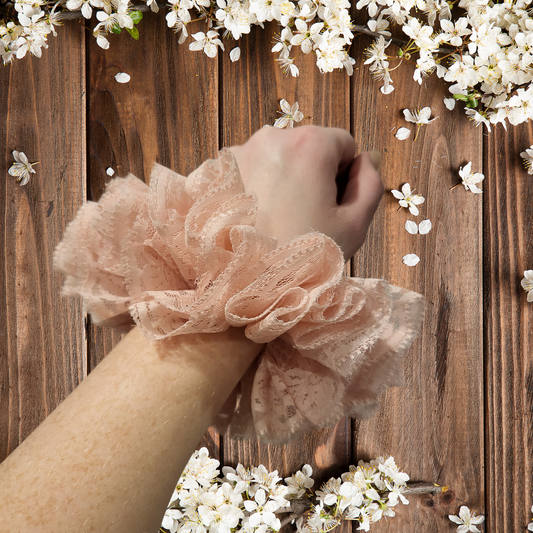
x=464, y=418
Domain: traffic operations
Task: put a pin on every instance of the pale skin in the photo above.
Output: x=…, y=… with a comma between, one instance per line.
x=108, y=458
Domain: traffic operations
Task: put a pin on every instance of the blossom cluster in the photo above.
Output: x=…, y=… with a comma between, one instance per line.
x=485, y=54
x=247, y=499
x=30, y=33
x=204, y=502
x=489, y=61
x=366, y=493
x=35, y=21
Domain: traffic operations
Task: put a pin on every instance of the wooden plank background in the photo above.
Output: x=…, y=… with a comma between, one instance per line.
x=465, y=415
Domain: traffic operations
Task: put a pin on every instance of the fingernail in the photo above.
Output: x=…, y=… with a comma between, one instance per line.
x=375, y=158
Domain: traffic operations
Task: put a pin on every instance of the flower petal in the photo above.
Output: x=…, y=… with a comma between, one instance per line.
x=449, y=102
x=110, y=171
x=122, y=77
x=235, y=54
x=403, y=133
x=285, y=107
x=397, y=194
x=424, y=226
x=411, y=260
x=411, y=227
x=406, y=189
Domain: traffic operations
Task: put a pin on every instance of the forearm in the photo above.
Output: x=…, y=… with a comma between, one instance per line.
x=108, y=457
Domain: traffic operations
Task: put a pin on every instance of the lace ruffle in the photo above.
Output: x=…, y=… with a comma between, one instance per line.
x=183, y=256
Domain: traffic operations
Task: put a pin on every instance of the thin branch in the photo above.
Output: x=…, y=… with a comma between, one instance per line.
x=423, y=488
x=299, y=507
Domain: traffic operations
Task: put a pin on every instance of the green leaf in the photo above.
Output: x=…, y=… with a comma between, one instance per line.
x=136, y=16
x=134, y=32
x=472, y=103
x=116, y=29
x=463, y=97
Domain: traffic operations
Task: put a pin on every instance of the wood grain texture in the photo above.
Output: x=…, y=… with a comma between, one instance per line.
x=252, y=89
x=508, y=251
x=42, y=343
x=468, y=397
x=433, y=425
x=166, y=113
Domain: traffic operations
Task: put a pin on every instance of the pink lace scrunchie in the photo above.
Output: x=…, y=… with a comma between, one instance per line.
x=183, y=256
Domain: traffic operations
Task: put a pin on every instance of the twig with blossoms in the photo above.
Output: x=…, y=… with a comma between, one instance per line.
x=248, y=499
x=484, y=54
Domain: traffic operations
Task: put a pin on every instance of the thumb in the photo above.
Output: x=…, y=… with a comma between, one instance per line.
x=364, y=188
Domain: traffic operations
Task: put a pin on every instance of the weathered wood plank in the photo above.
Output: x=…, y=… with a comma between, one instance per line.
x=167, y=113
x=252, y=89
x=42, y=337
x=508, y=251
x=433, y=425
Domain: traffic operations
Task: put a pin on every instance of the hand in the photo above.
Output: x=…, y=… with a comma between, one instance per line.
x=308, y=179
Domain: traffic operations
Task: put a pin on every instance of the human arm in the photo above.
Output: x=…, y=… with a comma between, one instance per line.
x=109, y=456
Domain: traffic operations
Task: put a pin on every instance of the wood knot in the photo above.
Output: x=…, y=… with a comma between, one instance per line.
x=447, y=498
x=428, y=502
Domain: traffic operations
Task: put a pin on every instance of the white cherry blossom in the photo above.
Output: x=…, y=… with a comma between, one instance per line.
x=206, y=42
x=300, y=482
x=21, y=168
x=453, y=32
x=469, y=178
x=527, y=155
x=467, y=521
x=408, y=199
x=527, y=285
x=419, y=117
x=289, y=116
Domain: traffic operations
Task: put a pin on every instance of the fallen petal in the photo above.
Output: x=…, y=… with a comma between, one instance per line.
x=410, y=259
x=122, y=77
x=403, y=133
x=411, y=227
x=110, y=171
x=424, y=227
x=449, y=103
x=387, y=89
x=235, y=54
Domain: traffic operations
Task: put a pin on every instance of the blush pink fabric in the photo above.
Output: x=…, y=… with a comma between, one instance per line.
x=183, y=256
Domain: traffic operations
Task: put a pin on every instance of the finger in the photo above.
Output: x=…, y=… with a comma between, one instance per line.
x=342, y=149
x=363, y=190
x=341, y=152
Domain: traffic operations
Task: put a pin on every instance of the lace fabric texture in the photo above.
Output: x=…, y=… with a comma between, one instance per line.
x=183, y=256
